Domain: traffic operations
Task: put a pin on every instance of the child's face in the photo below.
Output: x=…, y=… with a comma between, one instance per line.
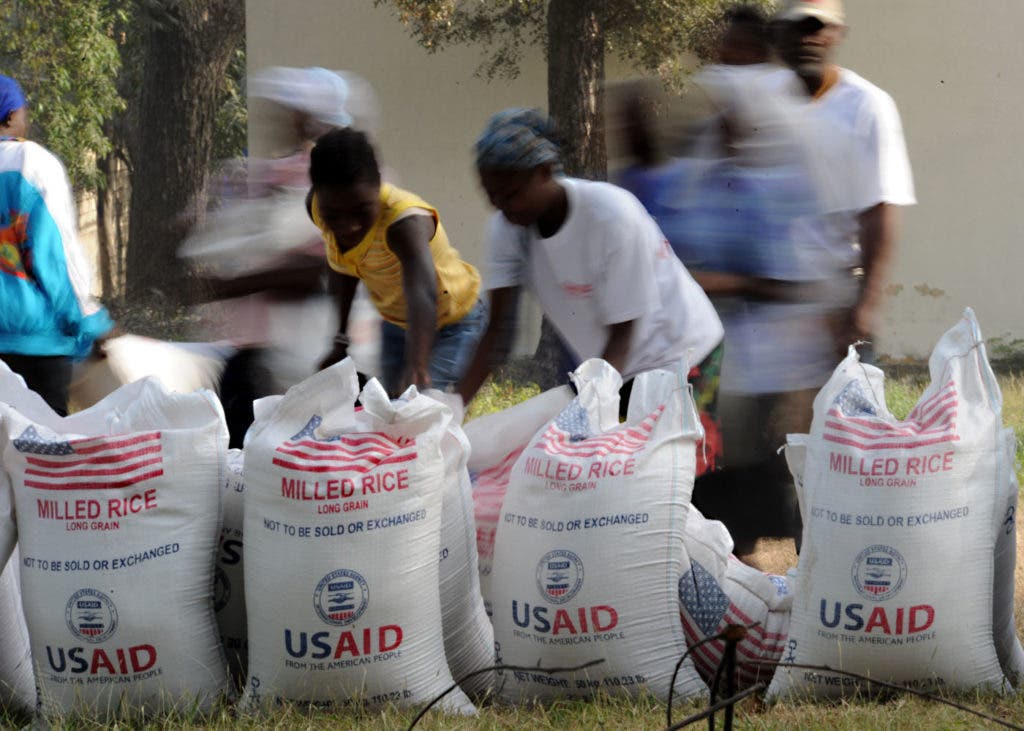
x=522, y=195
x=350, y=211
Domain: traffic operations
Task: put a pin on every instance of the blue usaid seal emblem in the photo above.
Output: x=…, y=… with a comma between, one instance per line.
x=559, y=576
x=341, y=597
x=879, y=572
x=91, y=615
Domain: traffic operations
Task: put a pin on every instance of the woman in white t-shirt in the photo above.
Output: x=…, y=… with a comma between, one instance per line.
x=596, y=261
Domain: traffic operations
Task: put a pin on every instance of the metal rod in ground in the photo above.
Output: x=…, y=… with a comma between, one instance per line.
x=715, y=683
x=675, y=674
x=730, y=676
x=717, y=707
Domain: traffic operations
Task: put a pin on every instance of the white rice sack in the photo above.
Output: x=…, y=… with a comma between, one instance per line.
x=468, y=635
x=893, y=512
x=229, y=576
x=119, y=515
x=1004, y=625
x=496, y=442
x=14, y=392
x=342, y=531
x=719, y=590
x=17, y=687
x=589, y=546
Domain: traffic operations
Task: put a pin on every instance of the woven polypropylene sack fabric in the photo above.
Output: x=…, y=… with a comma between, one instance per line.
x=1004, y=625
x=894, y=511
x=342, y=537
x=496, y=442
x=119, y=514
x=14, y=392
x=718, y=590
x=589, y=547
x=17, y=688
x=468, y=635
x=229, y=577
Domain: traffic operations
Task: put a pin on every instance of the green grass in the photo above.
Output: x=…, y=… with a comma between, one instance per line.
x=497, y=395
x=897, y=714
x=643, y=714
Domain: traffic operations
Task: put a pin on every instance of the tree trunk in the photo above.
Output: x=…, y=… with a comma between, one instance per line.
x=104, y=240
x=187, y=51
x=576, y=47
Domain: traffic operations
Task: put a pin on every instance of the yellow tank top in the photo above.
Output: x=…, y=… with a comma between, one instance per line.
x=372, y=261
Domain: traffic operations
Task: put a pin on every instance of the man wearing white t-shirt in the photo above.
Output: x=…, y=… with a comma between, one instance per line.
x=865, y=148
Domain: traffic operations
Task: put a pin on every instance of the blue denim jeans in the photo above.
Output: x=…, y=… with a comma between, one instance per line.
x=454, y=347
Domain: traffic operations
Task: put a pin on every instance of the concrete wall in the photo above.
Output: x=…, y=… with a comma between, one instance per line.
x=952, y=68
x=432, y=105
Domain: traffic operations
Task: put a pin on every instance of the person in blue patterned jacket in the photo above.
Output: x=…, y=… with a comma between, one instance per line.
x=47, y=314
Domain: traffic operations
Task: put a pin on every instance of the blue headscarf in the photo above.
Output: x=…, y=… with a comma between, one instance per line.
x=517, y=139
x=11, y=96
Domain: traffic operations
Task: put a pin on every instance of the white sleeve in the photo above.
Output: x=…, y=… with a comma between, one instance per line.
x=627, y=286
x=506, y=254
x=886, y=176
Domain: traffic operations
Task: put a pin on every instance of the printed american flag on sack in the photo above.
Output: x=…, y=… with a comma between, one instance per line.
x=489, y=488
x=570, y=435
x=89, y=463
x=853, y=421
x=706, y=611
x=306, y=452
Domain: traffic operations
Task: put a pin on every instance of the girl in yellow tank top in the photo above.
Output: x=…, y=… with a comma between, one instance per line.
x=393, y=242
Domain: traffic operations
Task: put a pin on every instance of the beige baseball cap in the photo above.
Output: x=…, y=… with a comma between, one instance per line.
x=829, y=12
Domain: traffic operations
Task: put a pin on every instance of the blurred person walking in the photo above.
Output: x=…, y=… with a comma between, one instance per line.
x=49, y=317
x=262, y=260
x=781, y=349
x=864, y=147
x=755, y=176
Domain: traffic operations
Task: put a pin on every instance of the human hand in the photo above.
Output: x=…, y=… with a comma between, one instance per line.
x=851, y=326
x=415, y=375
x=864, y=320
x=99, y=345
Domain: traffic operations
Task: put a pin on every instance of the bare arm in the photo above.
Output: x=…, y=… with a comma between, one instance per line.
x=409, y=239
x=298, y=276
x=343, y=287
x=879, y=228
x=496, y=343
x=755, y=288
x=616, y=350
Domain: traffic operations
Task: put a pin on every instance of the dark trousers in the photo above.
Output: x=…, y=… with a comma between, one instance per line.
x=246, y=377
x=47, y=375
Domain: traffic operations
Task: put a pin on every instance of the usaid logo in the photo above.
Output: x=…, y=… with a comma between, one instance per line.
x=341, y=597
x=559, y=576
x=879, y=572
x=91, y=615
x=221, y=589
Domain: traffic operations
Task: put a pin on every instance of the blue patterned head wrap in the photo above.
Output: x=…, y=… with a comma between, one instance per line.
x=517, y=139
x=11, y=96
